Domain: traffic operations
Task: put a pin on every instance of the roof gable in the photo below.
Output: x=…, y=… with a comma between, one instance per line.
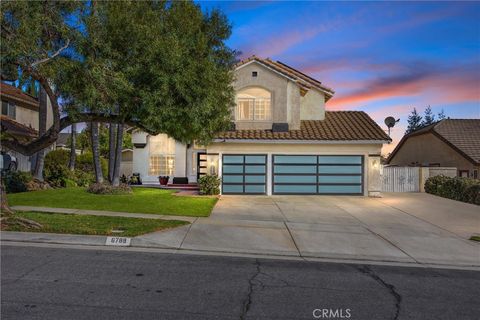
x=304, y=82
x=463, y=135
x=13, y=93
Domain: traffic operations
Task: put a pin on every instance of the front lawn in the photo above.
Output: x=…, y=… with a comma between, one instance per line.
x=143, y=200
x=93, y=225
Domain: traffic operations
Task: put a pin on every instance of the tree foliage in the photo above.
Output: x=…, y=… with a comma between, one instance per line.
x=162, y=66
x=414, y=121
x=428, y=117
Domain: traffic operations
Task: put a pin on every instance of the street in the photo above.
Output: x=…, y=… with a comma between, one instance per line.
x=70, y=283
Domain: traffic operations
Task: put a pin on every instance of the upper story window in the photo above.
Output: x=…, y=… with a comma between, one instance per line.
x=254, y=104
x=8, y=109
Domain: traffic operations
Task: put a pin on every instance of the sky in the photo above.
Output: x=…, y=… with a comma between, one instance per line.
x=384, y=58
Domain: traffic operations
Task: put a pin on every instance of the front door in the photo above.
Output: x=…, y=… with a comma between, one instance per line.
x=201, y=164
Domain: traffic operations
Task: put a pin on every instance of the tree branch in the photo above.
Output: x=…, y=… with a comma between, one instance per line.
x=34, y=64
x=51, y=135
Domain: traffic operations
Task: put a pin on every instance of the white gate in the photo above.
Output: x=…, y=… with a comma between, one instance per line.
x=401, y=179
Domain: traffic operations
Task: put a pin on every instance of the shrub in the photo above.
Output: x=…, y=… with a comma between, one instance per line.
x=103, y=188
x=84, y=163
x=457, y=188
x=83, y=178
x=16, y=181
x=209, y=185
x=35, y=185
x=58, y=174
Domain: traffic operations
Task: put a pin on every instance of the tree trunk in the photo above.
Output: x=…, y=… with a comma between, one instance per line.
x=42, y=128
x=111, y=152
x=118, y=156
x=95, y=152
x=5, y=208
x=73, y=147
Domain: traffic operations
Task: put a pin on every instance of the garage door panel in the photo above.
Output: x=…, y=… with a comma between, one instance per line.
x=339, y=159
x=296, y=159
x=278, y=168
x=299, y=189
x=232, y=159
x=295, y=179
x=233, y=179
x=242, y=174
x=255, y=169
x=340, y=179
x=255, y=159
x=340, y=189
x=339, y=169
x=228, y=188
x=255, y=188
x=312, y=174
x=255, y=179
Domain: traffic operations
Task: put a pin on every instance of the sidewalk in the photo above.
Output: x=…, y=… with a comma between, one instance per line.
x=276, y=239
x=104, y=213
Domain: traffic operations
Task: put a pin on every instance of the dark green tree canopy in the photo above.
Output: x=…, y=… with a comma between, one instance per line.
x=162, y=66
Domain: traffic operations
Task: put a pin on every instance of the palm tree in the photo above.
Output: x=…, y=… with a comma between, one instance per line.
x=42, y=128
x=118, y=156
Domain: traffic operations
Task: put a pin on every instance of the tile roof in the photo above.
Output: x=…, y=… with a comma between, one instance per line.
x=15, y=128
x=337, y=126
x=16, y=94
x=463, y=135
x=305, y=82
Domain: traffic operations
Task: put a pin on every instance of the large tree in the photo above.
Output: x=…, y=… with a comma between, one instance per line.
x=163, y=66
x=428, y=117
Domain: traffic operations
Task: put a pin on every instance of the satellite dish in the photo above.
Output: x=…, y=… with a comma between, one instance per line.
x=390, y=122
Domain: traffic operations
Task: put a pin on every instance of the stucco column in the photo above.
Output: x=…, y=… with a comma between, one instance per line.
x=374, y=178
x=269, y=174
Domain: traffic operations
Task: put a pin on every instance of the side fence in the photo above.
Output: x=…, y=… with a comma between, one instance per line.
x=411, y=179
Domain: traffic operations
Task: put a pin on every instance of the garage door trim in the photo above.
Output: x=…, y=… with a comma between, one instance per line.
x=317, y=174
x=244, y=164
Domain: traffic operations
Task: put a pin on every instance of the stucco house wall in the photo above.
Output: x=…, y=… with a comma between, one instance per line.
x=427, y=149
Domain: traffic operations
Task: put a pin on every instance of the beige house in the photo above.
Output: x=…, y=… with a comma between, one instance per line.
x=20, y=118
x=447, y=143
x=283, y=141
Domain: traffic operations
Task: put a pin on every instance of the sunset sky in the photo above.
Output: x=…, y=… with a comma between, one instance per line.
x=380, y=57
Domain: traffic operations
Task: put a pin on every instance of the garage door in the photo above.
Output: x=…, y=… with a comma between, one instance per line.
x=244, y=174
x=312, y=174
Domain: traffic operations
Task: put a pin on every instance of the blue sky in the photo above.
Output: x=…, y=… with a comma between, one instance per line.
x=381, y=57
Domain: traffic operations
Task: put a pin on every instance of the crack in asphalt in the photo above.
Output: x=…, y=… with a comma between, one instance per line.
x=366, y=270
x=248, y=300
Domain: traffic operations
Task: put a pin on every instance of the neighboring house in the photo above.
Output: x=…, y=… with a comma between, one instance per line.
x=20, y=119
x=284, y=142
x=63, y=142
x=447, y=143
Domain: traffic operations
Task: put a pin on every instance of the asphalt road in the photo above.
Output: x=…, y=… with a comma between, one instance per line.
x=56, y=283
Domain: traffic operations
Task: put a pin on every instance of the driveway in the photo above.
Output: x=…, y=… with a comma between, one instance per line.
x=400, y=227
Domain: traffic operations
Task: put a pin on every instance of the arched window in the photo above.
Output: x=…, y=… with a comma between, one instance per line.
x=253, y=104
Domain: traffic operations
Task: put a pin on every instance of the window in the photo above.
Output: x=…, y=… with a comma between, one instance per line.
x=162, y=165
x=8, y=109
x=162, y=155
x=254, y=104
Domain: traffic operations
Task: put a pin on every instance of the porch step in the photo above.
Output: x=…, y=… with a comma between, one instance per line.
x=179, y=185
x=190, y=186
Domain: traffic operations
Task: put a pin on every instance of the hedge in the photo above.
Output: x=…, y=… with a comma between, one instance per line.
x=457, y=188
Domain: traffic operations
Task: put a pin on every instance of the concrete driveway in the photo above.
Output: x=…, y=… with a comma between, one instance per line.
x=400, y=227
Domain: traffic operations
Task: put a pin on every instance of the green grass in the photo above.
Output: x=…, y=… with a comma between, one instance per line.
x=475, y=238
x=93, y=225
x=143, y=200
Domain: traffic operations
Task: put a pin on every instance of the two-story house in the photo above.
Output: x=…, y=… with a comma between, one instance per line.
x=20, y=118
x=283, y=141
